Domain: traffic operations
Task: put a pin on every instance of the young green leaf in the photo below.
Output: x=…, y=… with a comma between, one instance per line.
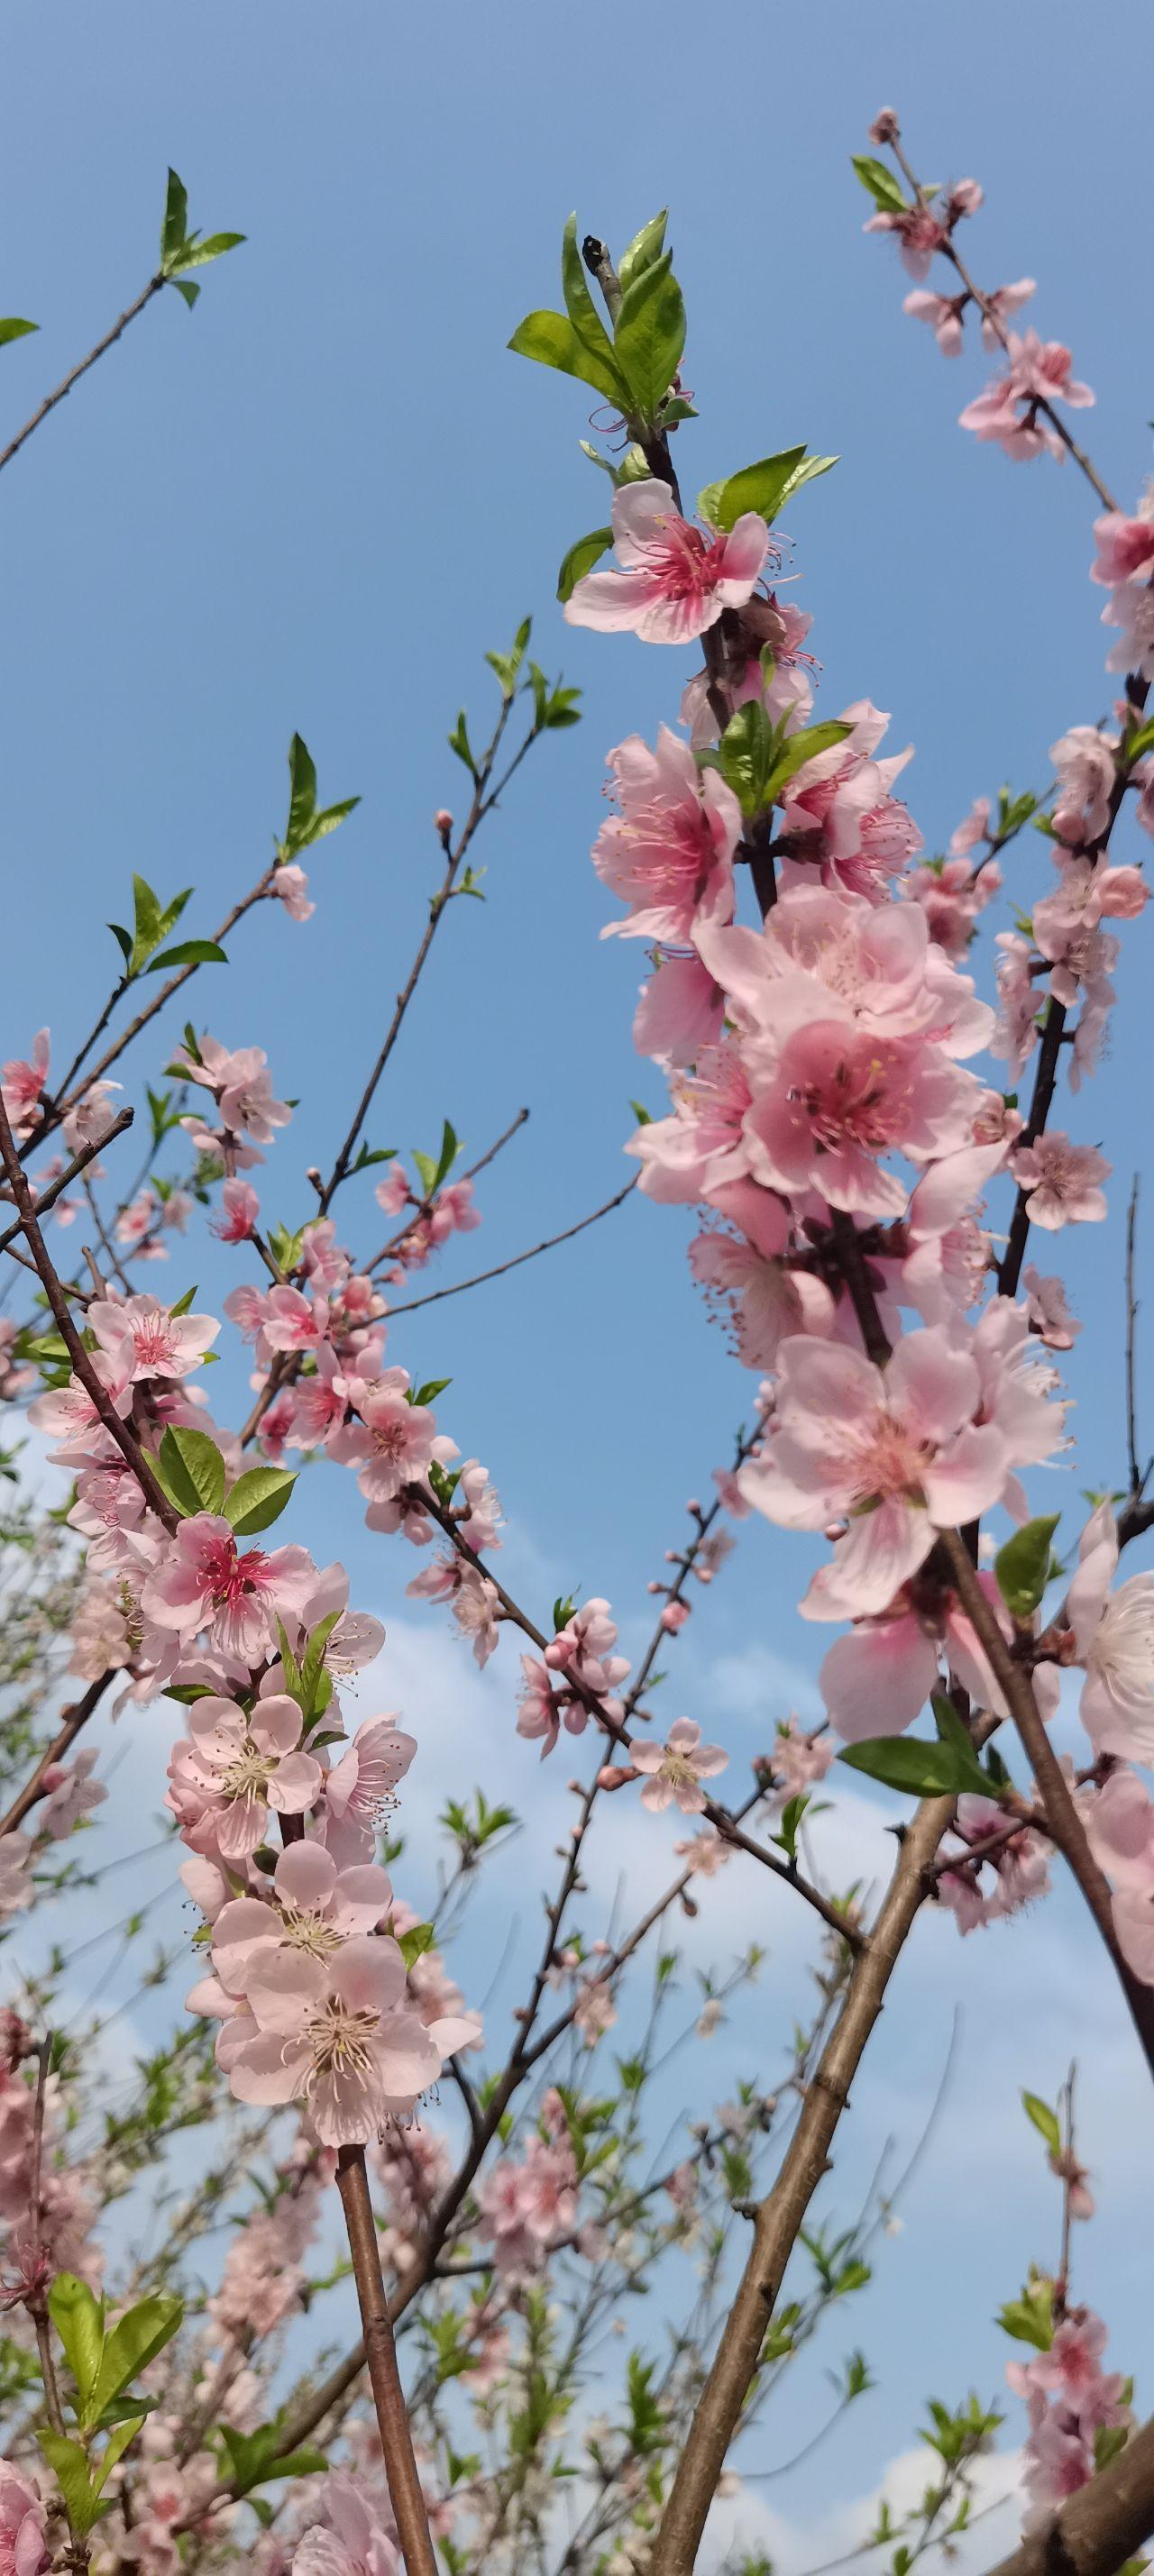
x=118, y=2441
x=414, y=1943
x=953, y=1733
x=551, y=341
x=645, y=247
x=79, y=2321
x=191, y=1470
x=579, y=304
x=135, y=2341
x=650, y=335
x=880, y=184
x=189, y=952
x=908, y=1762
x=257, y=1499
x=69, y=2464
x=1045, y=2120
x=11, y=328
x=1022, y=1566
x=197, y=253
x=175, y=223
x=581, y=558
x=761, y=487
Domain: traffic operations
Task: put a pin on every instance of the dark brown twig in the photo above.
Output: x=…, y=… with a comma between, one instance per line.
x=81, y=369
x=47, y=1198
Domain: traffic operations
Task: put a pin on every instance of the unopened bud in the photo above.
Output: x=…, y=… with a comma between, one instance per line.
x=442, y=821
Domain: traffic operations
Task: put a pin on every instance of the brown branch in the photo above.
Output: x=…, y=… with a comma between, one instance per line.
x=1137, y=1479
x=1097, y=2530
x=515, y=1260
x=47, y=1198
x=125, y=1438
x=990, y=314
x=81, y=369
x=780, y=2215
x=381, y=2352
x=74, y=1719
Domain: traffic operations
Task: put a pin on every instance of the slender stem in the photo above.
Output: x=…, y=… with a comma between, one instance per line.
x=381, y=2353
x=1137, y=1479
x=81, y=369
x=780, y=2215
x=47, y=1198
x=515, y=1260
x=37, y=2304
x=991, y=316
x=74, y=1719
x=126, y=1440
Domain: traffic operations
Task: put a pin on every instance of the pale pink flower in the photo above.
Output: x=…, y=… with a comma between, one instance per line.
x=594, y=2011
x=919, y=234
x=974, y=828
x=680, y=1010
x=1084, y=766
x=142, y=1336
x=583, y=1649
x=944, y=315
x=999, y=306
x=840, y=815
x=483, y=1516
x=1039, y=370
x=240, y=1210
x=1063, y=1181
x=69, y=1414
x=1125, y=547
x=394, y=1443
x=239, y=1766
x=318, y=1906
x=930, y=1445
x=839, y=1098
x=1050, y=1317
x=677, y=579
x=72, y=1793
x=877, y=1678
x=89, y=1122
x=394, y=1192
x=24, y=2549
x=669, y=851
x=798, y=1760
x=1132, y=608
x=21, y=1082
x=702, y=1146
x=542, y=1710
x=291, y=886
x=360, y=1791
x=16, y=1890
x=205, y=1582
x=952, y=895
x=240, y=1079
x=676, y=1769
x=705, y=1853
x=1018, y=1867
x=351, y=2540
x=1114, y=1643
x=335, y=2031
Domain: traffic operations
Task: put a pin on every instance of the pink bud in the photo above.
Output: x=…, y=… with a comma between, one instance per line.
x=613, y=1775
x=674, y=1616
x=442, y=821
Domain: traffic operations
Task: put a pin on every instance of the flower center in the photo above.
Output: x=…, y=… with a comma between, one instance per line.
x=248, y=1775
x=309, y=1931
x=341, y=2042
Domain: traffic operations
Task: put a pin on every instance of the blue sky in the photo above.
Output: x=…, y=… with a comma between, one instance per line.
x=316, y=501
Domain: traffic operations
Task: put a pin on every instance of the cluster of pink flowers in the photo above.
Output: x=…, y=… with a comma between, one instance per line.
x=1124, y=564
x=239, y=1083
x=529, y=2207
x=1070, y=2400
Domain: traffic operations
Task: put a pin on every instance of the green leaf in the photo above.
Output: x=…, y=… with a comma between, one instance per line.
x=257, y=1499
x=1135, y=743
x=908, y=1762
x=650, y=335
x=13, y=329
x=189, y=952
x=802, y=747
x=759, y=487
x=432, y=1388
x=133, y=2343
x=581, y=558
x=459, y=742
x=213, y=247
x=956, y=1735
x=191, y=1470
x=124, y=940
x=880, y=184
x=149, y=926
x=1022, y=1566
x=69, y=2464
x=1030, y=2319
x=579, y=304
x=302, y=793
x=184, y=286
x=118, y=2442
x=645, y=247
x=1045, y=2120
x=414, y=1943
x=551, y=341
x=329, y=820
x=174, y=228
x=79, y=2321
x=746, y=755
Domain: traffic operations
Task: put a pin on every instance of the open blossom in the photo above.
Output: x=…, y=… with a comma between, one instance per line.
x=1114, y=1643
x=394, y=1443
x=335, y=2031
x=291, y=886
x=1132, y=608
x=24, y=2549
x=361, y=1788
x=147, y=1340
x=350, y=2540
x=205, y=1581
x=88, y=1123
x=22, y=1080
x=918, y=233
x=1005, y=1879
x=240, y=1208
x=840, y=813
x=1084, y=767
x=1039, y=371
x=675, y=1770
x=1125, y=546
x=669, y=851
x=677, y=578
x=72, y=1794
x=944, y=315
x=16, y=1890
x=951, y=895
x=235, y=1768
x=1063, y=1181
x=240, y=1079
x=1050, y=1317
x=583, y=1649
x=929, y=1445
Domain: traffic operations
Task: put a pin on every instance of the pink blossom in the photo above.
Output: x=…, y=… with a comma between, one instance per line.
x=351, y=2540
x=930, y=1445
x=677, y=579
x=241, y=1209
x=21, y=1082
x=334, y=2030
x=798, y=1760
x=837, y=1099
x=238, y=1766
x=1132, y=608
x=840, y=815
x=1063, y=1180
x=393, y=1193
x=594, y=2011
x=1039, y=371
x=1050, y=1317
x=583, y=1649
x=1085, y=770
x=877, y=1679
x=1125, y=547
x=952, y=894
x=702, y=1146
x=677, y=1768
x=360, y=1790
x=72, y=1794
x=394, y=1443
x=706, y=1852
x=242, y=1084
x=680, y=1010
x=291, y=886
x=16, y=1890
x=944, y=315
x=999, y=306
x=669, y=851
x=768, y=1301
x=542, y=1710
x=147, y=1341
x=204, y=1582
x=918, y=233
x=1114, y=1643
x=88, y=1123
x=24, y=2548
x=974, y=828
x=1018, y=1867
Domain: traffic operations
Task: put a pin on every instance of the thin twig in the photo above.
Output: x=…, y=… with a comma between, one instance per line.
x=74, y=1719
x=81, y=369
x=515, y=1259
x=1137, y=1479
x=47, y=1198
